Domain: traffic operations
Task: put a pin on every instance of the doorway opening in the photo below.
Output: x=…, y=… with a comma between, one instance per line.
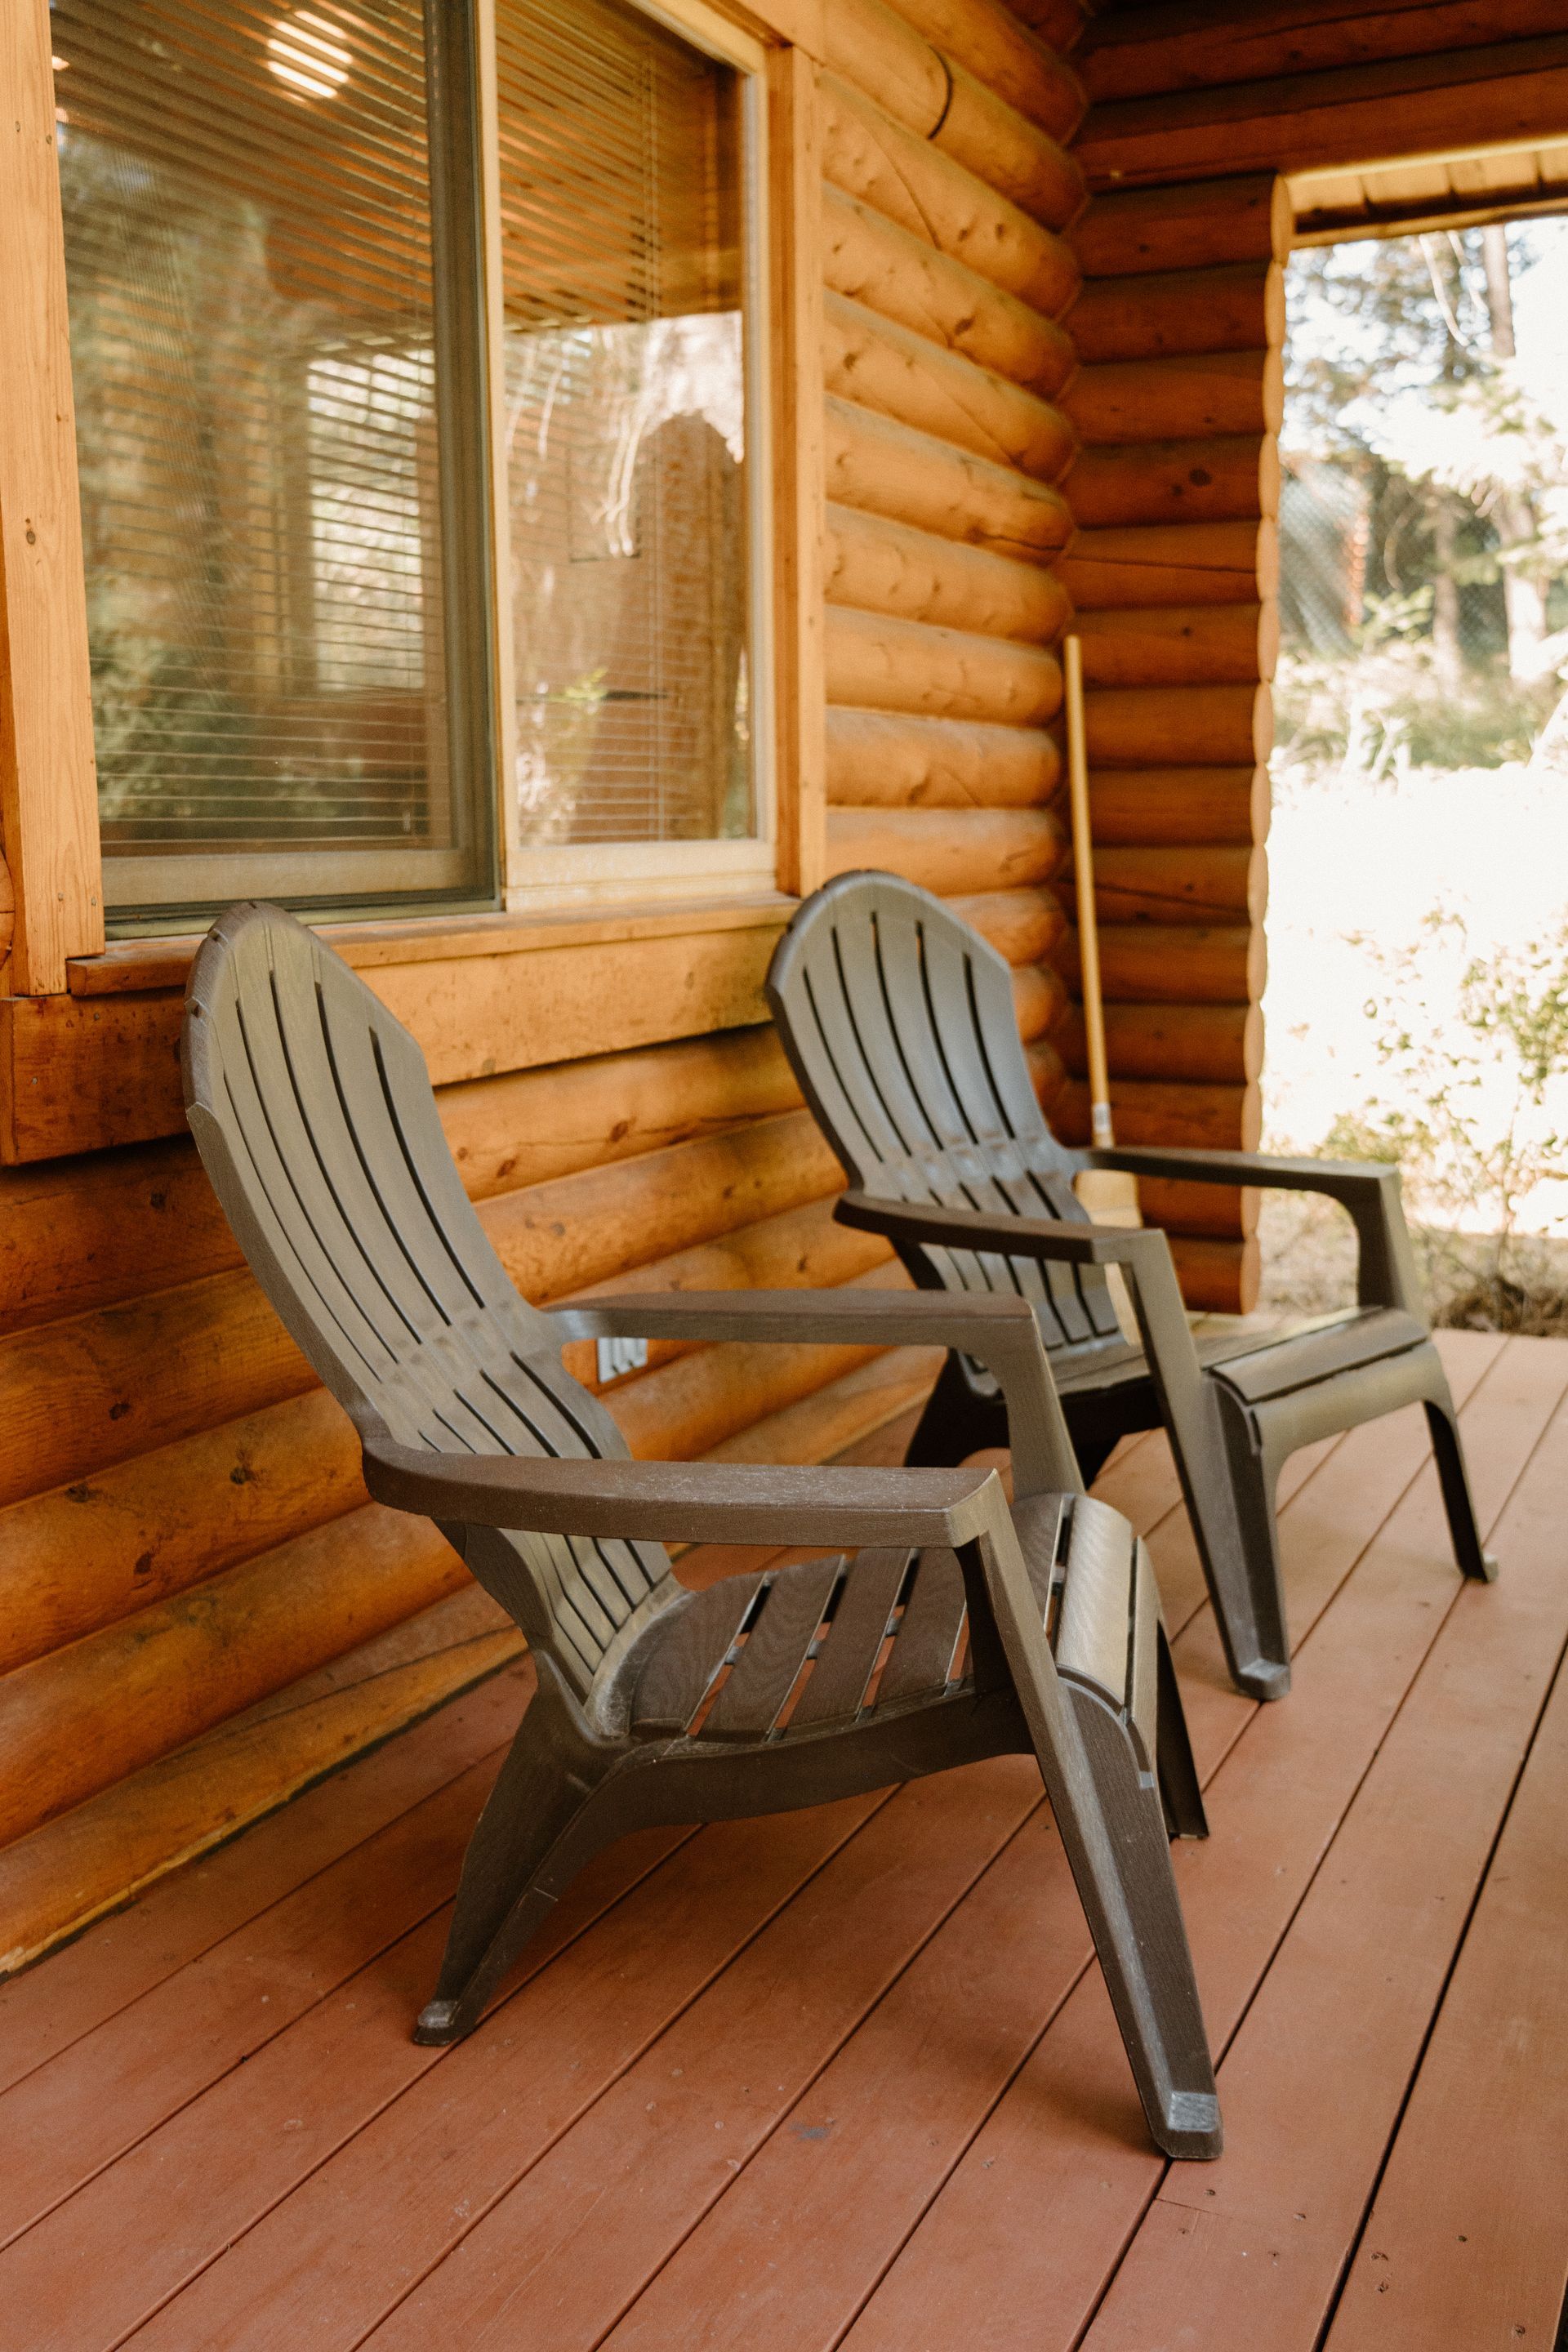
x=1417, y=1001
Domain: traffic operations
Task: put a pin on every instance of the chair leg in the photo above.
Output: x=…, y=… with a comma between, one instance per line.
x=1181, y=1793
x=544, y=1819
x=1110, y=1820
x=959, y=1420
x=1241, y=1553
x=1130, y=1896
x=1444, y=1424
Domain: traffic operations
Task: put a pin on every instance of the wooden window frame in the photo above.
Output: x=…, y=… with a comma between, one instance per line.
x=50, y=856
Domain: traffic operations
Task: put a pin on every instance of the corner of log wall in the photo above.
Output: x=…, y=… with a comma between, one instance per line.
x=1173, y=573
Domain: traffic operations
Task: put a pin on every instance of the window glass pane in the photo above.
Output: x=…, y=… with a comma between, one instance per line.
x=247, y=222
x=621, y=190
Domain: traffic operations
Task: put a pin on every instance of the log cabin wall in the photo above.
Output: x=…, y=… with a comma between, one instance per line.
x=203, y=1611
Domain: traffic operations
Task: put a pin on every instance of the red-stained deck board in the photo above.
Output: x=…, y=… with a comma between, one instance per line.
x=1066, y=2140
x=850, y=2078
x=43, y=2011
x=1468, y=2239
x=1336, y=2031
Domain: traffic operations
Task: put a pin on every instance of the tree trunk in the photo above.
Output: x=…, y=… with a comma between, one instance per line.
x=1524, y=599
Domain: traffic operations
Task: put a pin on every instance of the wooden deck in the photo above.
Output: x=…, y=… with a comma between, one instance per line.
x=850, y=2077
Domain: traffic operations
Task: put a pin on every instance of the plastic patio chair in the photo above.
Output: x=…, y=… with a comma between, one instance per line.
x=898, y=1022
x=962, y=1629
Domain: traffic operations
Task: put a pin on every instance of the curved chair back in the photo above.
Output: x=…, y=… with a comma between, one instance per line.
x=898, y=1022
x=312, y=1109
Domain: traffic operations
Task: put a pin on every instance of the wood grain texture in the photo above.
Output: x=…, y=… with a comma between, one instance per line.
x=888, y=368
x=884, y=468
x=878, y=759
x=878, y=662
x=1152, y=49
x=985, y=37
x=48, y=793
x=1123, y=233
x=1148, y=806
x=82, y=1074
x=1230, y=477
x=882, y=566
x=949, y=851
x=1236, y=306
x=1161, y=726
x=1171, y=396
x=869, y=155
x=1233, y=563
x=869, y=258
x=1180, y=645
x=1507, y=93
x=1155, y=964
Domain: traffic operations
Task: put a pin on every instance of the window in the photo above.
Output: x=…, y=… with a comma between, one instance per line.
x=373, y=532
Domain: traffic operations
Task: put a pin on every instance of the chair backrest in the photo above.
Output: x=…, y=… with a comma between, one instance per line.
x=312, y=1109
x=898, y=1019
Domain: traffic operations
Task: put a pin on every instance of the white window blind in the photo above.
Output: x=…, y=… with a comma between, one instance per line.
x=249, y=248
x=622, y=195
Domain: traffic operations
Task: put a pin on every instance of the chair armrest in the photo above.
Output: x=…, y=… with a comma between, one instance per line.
x=1385, y=1274
x=997, y=1231
x=687, y=1502
x=999, y=1331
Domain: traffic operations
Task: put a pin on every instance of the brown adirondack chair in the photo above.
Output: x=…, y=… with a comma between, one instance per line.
x=899, y=1020
x=960, y=1629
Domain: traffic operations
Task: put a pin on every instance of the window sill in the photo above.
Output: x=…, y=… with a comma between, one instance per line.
x=134, y=966
x=483, y=994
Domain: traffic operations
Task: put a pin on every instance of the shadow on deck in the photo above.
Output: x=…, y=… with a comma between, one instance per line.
x=849, y=2076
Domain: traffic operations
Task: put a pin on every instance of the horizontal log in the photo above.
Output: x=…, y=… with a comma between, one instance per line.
x=1058, y=23
x=1226, y=1212
x=1217, y=1277
x=878, y=759
x=1163, y=726
x=876, y=565
x=1505, y=94
x=1149, y=1111
x=1180, y=645
x=895, y=372
x=55, y=1881
x=882, y=664
x=987, y=39
x=802, y=1247
x=1024, y=926
x=949, y=851
x=84, y=1556
x=1154, y=807
x=1157, y=963
x=1206, y=222
x=1174, y=399
x=869, y=155
x=848, y=1420
x=940, y=99
x=1039, y=1001
x=73, y=1723
x=1237, y=306
x=1249, y=40
x=80, y=1074
x=880, y=467
x=1228, y=479
x=1198, y=883
x=106, y=1226
x=1219, y=1042
x=75, y=1397
x=1173, y=564
x=871, y=260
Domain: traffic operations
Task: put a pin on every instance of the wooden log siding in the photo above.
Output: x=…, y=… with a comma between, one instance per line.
x=1173, y=569
x=204, y=1539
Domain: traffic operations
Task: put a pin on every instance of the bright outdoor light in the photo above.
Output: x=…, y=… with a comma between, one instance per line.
x=307, y=52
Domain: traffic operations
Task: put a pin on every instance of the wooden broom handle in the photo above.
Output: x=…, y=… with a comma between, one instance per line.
x=1087, y=928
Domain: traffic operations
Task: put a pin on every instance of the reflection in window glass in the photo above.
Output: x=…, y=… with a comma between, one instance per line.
x=248, y=264
x=621, y=214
